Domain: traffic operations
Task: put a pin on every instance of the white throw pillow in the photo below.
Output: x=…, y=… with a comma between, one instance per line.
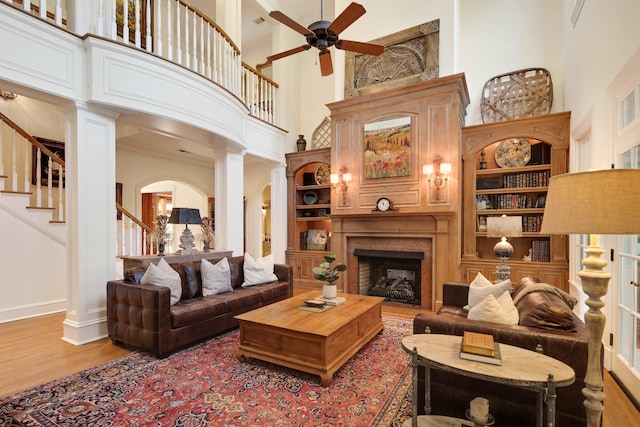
x=216, y=279
x=480, y=287
x=258, y=271
x=500, y=310
x=163, y=275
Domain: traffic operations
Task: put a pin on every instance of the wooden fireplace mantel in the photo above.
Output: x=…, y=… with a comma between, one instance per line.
x=428, y=232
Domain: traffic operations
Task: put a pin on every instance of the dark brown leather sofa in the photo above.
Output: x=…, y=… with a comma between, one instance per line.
x=141, y=317
x=451, y=393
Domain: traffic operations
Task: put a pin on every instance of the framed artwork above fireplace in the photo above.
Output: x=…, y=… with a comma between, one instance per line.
x=387, y=148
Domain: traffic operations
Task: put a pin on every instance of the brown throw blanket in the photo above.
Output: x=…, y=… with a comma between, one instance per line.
x=532, y=286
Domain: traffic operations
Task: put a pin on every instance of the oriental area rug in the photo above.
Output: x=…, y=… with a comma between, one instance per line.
x=205, y=385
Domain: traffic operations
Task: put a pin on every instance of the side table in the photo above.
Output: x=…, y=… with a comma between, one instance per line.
x=520, y=368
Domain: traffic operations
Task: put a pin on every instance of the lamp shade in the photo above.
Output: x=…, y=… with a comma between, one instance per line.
x=595, y=202
x=185, y=216
x=504, y=226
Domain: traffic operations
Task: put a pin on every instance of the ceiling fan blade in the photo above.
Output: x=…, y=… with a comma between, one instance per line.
x=346, y=18
x=326, y=66
x=284, y=19
x=367, y=48
x=288, y=52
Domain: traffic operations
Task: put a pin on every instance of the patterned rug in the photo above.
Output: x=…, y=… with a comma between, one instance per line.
x=206, y=385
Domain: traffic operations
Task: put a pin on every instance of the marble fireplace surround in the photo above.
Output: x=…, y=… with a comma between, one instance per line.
x=411, y=232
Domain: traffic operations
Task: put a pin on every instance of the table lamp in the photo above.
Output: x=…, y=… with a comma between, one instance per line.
x=503, y=227
x=596, y=202
x=185, y=216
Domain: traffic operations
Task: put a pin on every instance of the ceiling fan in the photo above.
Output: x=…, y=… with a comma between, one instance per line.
x=324, y=34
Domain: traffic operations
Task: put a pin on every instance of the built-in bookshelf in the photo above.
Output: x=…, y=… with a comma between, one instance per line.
x=309, y=208
x=507, y=167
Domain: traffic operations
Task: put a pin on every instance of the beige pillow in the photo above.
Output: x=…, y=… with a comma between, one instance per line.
x=216, y=278
x=258, y=271
x=164, y=275
x=481, y=287
x=496, y=310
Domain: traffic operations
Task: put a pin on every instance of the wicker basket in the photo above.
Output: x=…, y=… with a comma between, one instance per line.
x=515, y=95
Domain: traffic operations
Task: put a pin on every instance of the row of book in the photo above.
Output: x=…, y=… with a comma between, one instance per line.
x=540, y=251
x=531, y=223
x=526, y=179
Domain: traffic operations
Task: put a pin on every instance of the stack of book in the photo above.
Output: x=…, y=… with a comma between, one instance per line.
x=333, y=301
x=480, y=348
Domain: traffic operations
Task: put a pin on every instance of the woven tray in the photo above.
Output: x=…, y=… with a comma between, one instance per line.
x=515, y=95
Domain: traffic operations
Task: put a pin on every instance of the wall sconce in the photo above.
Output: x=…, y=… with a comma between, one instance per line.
x=440, y=172
x=341, y=182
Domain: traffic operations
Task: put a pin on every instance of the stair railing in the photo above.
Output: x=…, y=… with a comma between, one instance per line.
x=132, y=235
x=25, y=167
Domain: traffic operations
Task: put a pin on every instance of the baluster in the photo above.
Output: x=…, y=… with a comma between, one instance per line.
x=147, y=30
x=1, y=149
x=202, y=23
x=26, y=5
x=50, y=185
x=100, y=26
x=50, y=180
x=194, y=55
x=38, y=177
x=27, y=184
x=178, y=35
x=125, y=21
x=209, y=52
x=43, y=9
x=159, y=28
x=169, y=32
x=14, y=164
x=187, y=51
x=58, y=16
x=138, y=24
x=214, y=54
x=114, y=26
x=120, y=235
x=61, y=191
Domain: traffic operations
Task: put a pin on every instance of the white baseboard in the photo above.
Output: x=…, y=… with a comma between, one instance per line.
x=11, y=314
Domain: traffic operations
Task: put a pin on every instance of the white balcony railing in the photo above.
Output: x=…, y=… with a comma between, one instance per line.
x=175, y=31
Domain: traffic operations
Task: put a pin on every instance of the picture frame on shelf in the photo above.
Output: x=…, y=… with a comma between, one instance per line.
x=483, y=202
x=541, y=200
x=482, y=222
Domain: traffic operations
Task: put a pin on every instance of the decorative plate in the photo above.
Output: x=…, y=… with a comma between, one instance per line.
x=513, y=152
x=310, y=197
x=323, y=174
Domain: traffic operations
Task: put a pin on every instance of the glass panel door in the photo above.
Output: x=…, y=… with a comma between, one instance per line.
x=626, y=348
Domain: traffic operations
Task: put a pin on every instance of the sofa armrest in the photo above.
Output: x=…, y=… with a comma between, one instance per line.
x=284, y=273
x=139, y=315
x=455, y=294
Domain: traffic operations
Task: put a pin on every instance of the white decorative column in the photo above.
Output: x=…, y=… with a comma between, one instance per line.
x=279, y=204
x=229, y=194
x=90, y=219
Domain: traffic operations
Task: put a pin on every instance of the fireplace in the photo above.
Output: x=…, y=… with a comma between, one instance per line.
x=411, y=244
x=394, y=275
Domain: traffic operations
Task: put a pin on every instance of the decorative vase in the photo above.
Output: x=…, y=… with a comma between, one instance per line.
x=301, y=143
x=329, y=291
x=160, y=249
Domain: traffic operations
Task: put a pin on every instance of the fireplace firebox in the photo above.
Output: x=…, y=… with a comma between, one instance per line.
x=394, y=275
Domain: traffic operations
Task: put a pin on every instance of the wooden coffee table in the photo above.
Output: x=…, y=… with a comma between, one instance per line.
x=318, y=343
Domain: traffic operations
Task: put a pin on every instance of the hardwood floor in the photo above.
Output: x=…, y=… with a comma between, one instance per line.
x=32, y=353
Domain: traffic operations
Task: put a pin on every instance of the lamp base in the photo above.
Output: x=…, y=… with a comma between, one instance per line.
x=187, y=241
x=503, y=271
